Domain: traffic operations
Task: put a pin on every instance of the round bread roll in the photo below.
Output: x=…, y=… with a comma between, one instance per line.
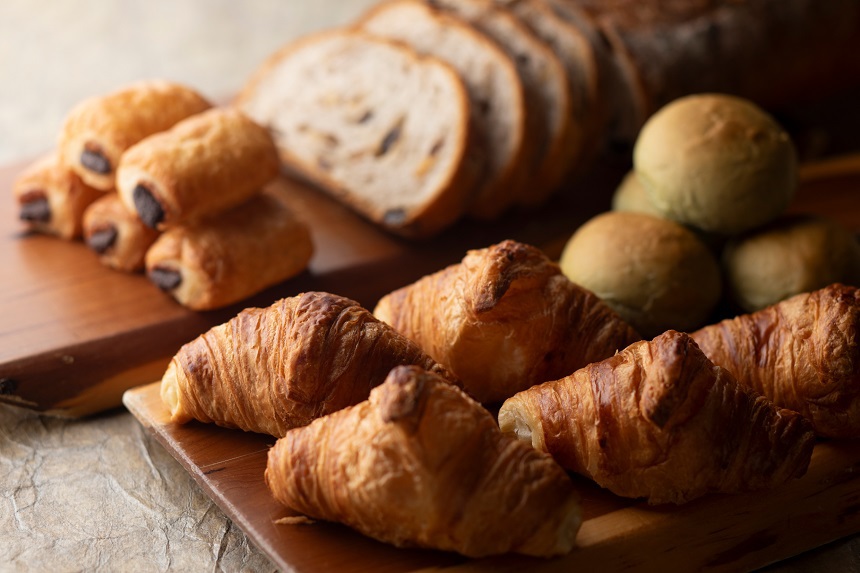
x=653, y=272
x=631, y=197
x=792, y=255
x=716, y=162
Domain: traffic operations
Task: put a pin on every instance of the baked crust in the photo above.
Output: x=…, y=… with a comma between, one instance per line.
x=803, y=353
x=232, y=255
x=504, y=319
x=204, y=164
x=116, y=234
x=57, y=194
x=660, y=421
x=272, y=369
x=420, y=464
x=110, y=124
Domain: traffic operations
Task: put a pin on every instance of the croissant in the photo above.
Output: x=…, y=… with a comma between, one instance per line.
x=803, y=353
x=420, y=464
x=660, y=421
x=271, y=369
x=504, y=319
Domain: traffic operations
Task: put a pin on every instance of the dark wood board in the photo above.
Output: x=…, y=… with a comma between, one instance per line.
x=75, y=335
x=714, y=533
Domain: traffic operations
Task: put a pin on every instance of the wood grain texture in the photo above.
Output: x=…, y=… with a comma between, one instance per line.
x=76, y=335
x=714, y=533
x=71, y=325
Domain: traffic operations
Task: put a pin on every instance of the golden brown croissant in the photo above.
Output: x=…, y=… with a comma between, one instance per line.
x=271, y=369
x=660, y=421
x=803, y=353
x=421, y=464
x=504, y=319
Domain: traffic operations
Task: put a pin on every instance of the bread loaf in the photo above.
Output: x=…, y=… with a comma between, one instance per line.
x=546, y=89
x=381, y=128
x=495, y=90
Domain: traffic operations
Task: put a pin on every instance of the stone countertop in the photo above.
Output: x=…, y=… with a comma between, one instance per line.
x=100, y=494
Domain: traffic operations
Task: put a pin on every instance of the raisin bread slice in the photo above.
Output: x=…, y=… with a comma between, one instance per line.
x=546, y=88
x=580, y=63
x=495, y=89
x=373, y=123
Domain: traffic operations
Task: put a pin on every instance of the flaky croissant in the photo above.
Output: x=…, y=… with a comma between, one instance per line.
x=271, y=369
x=504, y=319
x=660, y=421
x=803, y=353
x=420, y=464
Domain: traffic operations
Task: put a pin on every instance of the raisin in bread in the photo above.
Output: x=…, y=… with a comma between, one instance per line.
x=546, y=88
x=373, y=123
x=495, y=89
x=580, y=63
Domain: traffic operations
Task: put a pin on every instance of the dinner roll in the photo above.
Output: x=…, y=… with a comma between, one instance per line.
x=655, y=273
x=630, y=196
x=716, y=162
x=792, y=255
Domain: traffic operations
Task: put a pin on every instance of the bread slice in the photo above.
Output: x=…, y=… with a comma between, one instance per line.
x=580, y=63
x=546, y=88
x=495, y=89
x=625, y=102
x=373, y=123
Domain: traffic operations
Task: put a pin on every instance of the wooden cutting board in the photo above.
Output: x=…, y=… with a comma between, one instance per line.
x=75, y=335
x=714, y=533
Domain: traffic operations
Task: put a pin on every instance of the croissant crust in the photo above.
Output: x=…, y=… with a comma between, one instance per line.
x=504, y=319
x=660, y=421
x=271, y=369
x=421, y=464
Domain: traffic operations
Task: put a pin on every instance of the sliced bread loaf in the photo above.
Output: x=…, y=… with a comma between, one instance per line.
x=495, y=89
x=578, y=57
x=378, y=126
x=546, y=88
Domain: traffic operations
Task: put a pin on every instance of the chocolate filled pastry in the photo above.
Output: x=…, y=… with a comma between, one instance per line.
x=504, y=319
x=420, y=464
x=660, y=421
x=203, y=165
x=51, y=199
x=98, y=130
x=232, y=255
x=272, y=369
x=803, y=353
x=116, y=234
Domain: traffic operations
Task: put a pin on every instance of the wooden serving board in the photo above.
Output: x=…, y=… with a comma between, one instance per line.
x=75, y=335
x=714, y=533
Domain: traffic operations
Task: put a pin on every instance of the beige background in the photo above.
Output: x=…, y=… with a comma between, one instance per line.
x=99, y=494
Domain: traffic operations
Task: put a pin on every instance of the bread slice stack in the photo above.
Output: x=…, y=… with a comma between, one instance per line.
x=424, y=111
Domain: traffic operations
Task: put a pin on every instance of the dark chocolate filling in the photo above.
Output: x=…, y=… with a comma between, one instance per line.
x=103, y=239
x=165, y=278
x=36, y=210
x=95, y=161
x=148, y=208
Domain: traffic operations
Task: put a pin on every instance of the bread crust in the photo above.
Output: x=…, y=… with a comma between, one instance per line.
x=444, y=204
x=420, y=464
x=204, y=164
x=506, y=161
x=232, y=255
x=272, y=369
x=504, y=319
x=65, y=196
x=660, y=421
x=126, y=250
x=112, y=123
